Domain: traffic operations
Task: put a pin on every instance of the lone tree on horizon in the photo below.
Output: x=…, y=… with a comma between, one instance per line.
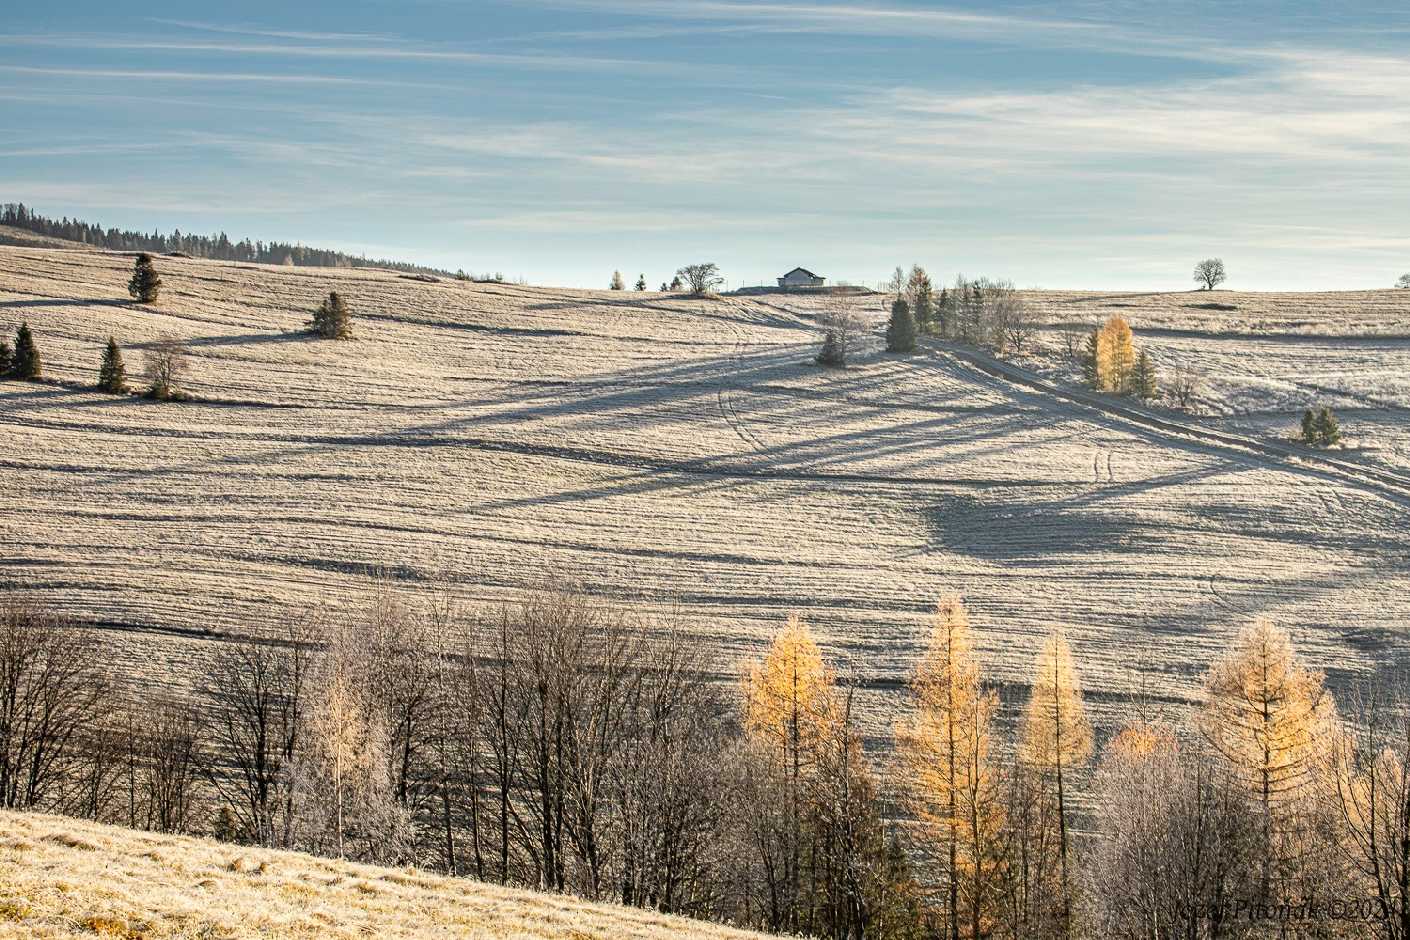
x=26, y=362
x=1210, y=272
x=617, y=282
x=641, y=282
x=145, y=285
x=702, y=278
x=112, y=374
x=332, y=320
x=1404, y=281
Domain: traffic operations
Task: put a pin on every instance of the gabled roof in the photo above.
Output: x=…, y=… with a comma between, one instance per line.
x=801, y=271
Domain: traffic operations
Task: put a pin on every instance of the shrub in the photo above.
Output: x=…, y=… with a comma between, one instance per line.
x=1320, y=428
x=26, y=363
x=145, y=284
x=165, y=363
x=332, y=319
x=112, y=374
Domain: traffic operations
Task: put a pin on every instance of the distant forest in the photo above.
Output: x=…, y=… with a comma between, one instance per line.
x=219, y=246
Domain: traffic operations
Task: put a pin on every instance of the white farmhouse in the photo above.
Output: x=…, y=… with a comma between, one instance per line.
x=800, y=277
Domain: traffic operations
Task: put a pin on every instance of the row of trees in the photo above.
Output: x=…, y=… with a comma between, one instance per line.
x=218, y=246
x=563, y=743
x=701, y=279
x=981, y=311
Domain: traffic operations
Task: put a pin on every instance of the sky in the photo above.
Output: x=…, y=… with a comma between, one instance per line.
x=1098, y=144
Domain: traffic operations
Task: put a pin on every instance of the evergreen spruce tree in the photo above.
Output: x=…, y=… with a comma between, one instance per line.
x=1091, y=373
x=112, y=374
x=26, y=363
x=617, y=282
x=676, y=283
x=332, y=320
x=901, y=331
x=641, y=282
x=924, y=310
x=1144, y=379
x=7, y=358
x=1309, y=427
x=832, y=353
x=942, y=313
x=145, y=284
x=1328, y=433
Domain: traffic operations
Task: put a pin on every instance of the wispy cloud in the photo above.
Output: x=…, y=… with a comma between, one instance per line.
x=347, y=52
x=189, y=76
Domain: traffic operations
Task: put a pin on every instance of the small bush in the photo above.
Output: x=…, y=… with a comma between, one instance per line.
x=1320, y=428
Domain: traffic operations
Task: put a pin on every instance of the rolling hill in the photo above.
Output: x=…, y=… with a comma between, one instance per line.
x=63, y=877
x=662, y=450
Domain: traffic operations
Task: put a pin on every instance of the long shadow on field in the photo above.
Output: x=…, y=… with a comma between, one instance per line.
x=69, y=302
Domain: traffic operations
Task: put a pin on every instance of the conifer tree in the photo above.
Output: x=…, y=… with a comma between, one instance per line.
x=641, y=282
x=924, y=312
x=1327, y=430
x=27, y=364
x=145, y=284
x=942, y=313
x=617, y=282
x=332, y=319
x=1143, y=379
x=1273, y=719
x=1309, y=427
x=1056, y=738
x=832, y=353
x=789, y=712
x=901, y=330
x=676, y=283
x=112, y=374
x=1091, y=361
x=953, y=784
x=7, y=358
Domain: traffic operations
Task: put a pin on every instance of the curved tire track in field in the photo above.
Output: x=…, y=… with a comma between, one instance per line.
x=1393, y=486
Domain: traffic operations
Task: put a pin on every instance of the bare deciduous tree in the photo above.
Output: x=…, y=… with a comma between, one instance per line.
x=1185, y=382
x=702, y=278
x=843, y=328
x=164, y=363
x=52, y=692
x=256, y=691
x=1210, y=272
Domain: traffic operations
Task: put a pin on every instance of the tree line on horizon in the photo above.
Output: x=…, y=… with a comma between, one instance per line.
x=218, y=246
x=565, y=743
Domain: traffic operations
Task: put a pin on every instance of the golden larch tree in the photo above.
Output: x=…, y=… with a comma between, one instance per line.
x=1115, y=355
x=790, y=711
x=953, y=786
x=1056, y=737
x=1275, y=722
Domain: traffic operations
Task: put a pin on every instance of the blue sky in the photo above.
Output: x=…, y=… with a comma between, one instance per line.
x=1102, y=144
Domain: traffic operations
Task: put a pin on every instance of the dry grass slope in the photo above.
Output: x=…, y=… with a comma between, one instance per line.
x=63, y=877
x=663, y=449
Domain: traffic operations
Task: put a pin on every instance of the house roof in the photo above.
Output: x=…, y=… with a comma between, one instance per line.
x=801, y=271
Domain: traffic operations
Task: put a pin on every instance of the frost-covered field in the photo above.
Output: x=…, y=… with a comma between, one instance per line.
x=664, y=450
